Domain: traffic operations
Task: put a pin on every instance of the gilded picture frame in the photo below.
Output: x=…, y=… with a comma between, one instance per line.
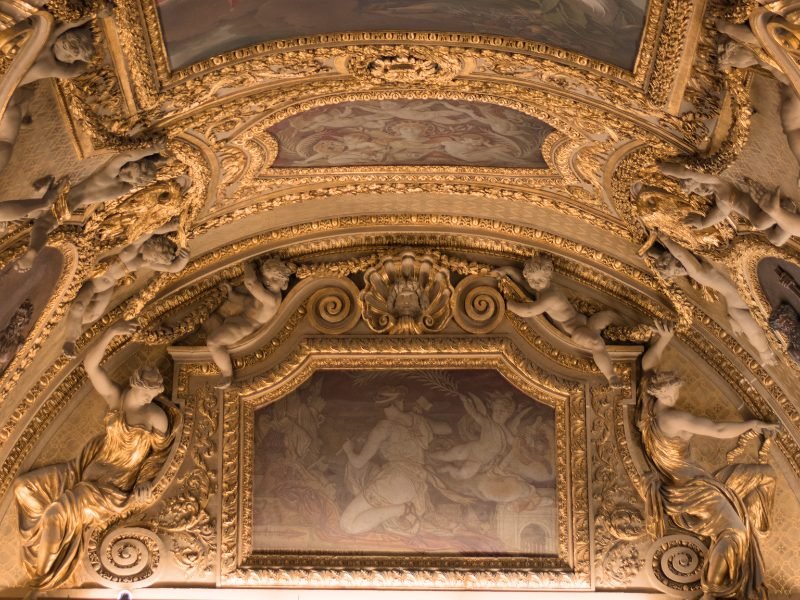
x=243, y=564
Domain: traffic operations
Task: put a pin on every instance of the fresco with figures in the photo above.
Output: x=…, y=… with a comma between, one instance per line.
x=606, y=30
x=405, y=461
x=411, y=132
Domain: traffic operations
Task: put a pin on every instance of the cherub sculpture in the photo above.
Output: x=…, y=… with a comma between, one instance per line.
x=119, y=176
x=728, y=199
x=679, y=261
x=729, y=506
x=246, y=313
x=113, y=473
x=552, y=302
x=151, y=251
x=65, y=54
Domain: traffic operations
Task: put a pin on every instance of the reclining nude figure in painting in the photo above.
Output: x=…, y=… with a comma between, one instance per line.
x=247, y=313
x=495, y=436
x=552, y=302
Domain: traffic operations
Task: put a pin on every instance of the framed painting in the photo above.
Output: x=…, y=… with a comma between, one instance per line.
x=367, y=466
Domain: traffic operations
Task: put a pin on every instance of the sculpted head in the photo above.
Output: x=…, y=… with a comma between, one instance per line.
x=74, y=45
x=695, y=187
x=275, y=274
x=159, y=250
x=668, y=266
x=140, y=172
x=665, y=386
x=538, y=271
x=146, y=383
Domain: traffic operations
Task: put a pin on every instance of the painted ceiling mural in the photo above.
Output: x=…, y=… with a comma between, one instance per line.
x=410, y=132
x=411, y=295
x=607, y=30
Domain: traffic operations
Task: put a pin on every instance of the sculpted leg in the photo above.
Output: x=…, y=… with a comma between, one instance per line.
x=74, y=318
x=790, y=119
x=41, y=229
x=231, y=331
x=591, y=340
x=742, y=320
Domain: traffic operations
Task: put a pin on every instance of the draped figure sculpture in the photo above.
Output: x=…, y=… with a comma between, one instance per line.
x=113, y=473
x=730, y=507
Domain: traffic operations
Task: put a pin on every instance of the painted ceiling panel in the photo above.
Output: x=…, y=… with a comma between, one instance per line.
x=607, y=30
x=411, y=132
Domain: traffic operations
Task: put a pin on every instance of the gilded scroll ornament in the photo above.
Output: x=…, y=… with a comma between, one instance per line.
x=336, y=308
x=406, y=294
x=478, y=306
x=676, y=563
x=133, y=556
x=113, y=474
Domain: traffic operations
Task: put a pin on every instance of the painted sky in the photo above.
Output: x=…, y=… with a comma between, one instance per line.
x=608, y=30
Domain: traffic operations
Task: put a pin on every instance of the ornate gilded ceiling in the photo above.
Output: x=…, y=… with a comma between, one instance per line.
x=376, y=148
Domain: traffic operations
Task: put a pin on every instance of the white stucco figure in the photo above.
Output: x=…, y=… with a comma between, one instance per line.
x=152, y=251
x=728, y=199
x=66, y=54
x=121, y=175
x=552, y=302
x=247, y=312
x=679, y=261
x=742, y=52
x=31, y=208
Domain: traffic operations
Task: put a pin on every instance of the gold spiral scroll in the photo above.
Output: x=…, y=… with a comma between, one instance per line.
x=676, y=564
x=478, y=306
x=336, y=308
x=132, y=556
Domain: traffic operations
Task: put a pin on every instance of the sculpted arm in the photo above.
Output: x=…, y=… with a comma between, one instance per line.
x=678, y=421
x=652, y=357
x=678, y=171
x=530, y=309
x=177, y=265
x=114, y=164
x=109, y=390
x=254, y=286
x=689, y=261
